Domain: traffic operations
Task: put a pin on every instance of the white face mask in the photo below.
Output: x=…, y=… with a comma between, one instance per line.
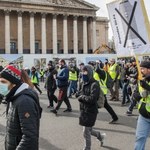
x=4, y=89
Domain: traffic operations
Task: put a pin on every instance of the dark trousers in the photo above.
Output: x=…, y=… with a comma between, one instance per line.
x=125, y=93
x=62, y=96
x=51, y=97
x=109, y=109
x=37, y=87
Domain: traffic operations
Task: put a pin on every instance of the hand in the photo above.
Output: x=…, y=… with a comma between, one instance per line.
x=81, y=98
x=54, y=76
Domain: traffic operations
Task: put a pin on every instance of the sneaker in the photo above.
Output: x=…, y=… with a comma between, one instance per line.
x=113, y=121
x=101, y=138
x=129, y=113
x=53, y=111
x=68, y=110
x=123, y=104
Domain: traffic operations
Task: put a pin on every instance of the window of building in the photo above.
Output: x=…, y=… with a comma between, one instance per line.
x=37, y=48
x=13, y=48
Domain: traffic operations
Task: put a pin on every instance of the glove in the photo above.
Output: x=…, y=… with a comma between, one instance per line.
x=81, y=98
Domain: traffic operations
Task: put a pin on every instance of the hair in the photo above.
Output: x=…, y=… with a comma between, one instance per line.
x=25, y=78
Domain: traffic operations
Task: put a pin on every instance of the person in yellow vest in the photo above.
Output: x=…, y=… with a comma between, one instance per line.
x=35, y=79
x=114, y=73
x=143, y=123
x=73, y=78
x=101, y=76
x=42, y=75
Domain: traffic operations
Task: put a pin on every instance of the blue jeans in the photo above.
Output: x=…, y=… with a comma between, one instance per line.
x=72, y=87
x=142, y=132
x=125, y=93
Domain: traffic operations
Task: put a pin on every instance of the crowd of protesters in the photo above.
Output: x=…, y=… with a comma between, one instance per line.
x=117, y=78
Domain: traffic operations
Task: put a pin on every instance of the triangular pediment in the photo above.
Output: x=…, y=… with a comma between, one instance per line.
x=66, y=3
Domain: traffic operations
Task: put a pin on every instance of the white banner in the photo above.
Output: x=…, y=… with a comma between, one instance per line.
x=129, y=24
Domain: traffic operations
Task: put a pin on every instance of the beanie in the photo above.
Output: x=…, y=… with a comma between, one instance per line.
x=50, y=63
x=145, y=64
x=12, y=74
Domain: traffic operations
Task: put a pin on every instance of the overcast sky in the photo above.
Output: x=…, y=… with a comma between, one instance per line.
x=104, y=13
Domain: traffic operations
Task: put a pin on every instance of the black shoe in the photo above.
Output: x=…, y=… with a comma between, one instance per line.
x=68, y=110
x=53, y=111
x=113, y=121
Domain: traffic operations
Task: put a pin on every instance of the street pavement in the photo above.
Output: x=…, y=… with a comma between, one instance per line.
x=63, y=132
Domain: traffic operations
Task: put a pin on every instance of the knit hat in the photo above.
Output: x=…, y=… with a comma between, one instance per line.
x=12, y=74
x=50, y=63
x=145, y=64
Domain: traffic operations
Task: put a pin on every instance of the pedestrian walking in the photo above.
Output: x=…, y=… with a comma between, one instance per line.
x=89, y=95
x=62, y=83
x=50, y=84
x=143, y=123
x=23, y=111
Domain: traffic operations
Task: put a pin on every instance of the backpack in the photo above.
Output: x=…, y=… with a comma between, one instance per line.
x=101, y=98
x=109, y=81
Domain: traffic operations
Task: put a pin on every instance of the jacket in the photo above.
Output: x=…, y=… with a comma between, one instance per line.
x=89, y=95
x=88, y=103
x=23, y=120
x=63, y=77
x=50, y=81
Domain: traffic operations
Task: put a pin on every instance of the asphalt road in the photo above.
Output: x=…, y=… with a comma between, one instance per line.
x=63, y=132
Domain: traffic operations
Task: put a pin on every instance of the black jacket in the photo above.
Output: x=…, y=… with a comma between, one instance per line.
x=51, y=82
x=23, y=121
x=88, y=103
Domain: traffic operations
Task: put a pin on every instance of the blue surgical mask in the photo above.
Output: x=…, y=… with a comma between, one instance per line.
x=4, y=89
x=85, y=78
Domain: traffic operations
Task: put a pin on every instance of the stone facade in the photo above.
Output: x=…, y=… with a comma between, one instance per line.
x=50, y=27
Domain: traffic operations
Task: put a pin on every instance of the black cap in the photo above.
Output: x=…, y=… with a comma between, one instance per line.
x=145, y=64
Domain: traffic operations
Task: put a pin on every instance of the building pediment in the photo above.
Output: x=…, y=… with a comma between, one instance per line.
x=62, y=3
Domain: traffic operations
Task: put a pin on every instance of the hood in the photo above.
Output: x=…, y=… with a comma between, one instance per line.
x=24, y=89
x=89, y=69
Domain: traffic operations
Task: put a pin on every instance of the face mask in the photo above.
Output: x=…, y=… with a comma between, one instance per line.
x=85, y=78
x=4, y=89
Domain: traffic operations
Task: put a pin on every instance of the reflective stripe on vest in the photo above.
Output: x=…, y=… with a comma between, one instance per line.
x=112, y=71
x=101, y=83
x=145, y=100
x=73, y=76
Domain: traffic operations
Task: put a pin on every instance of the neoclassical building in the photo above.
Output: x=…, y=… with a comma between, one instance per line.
x=50, y=27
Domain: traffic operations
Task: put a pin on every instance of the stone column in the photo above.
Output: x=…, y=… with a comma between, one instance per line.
x=20, y=33
x=75, y=35
x=54, y=34
x=32, y=34
x=65, y=35
x=94, y=46
x=7, y=32
x=85, y=48
x=43, y=33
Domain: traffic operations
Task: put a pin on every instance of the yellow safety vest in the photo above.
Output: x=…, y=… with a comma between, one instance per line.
x=34, y=79
x=145, y=100
x=112, y=71
x=101, y=83
x=41, y=73
x=73, y=76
